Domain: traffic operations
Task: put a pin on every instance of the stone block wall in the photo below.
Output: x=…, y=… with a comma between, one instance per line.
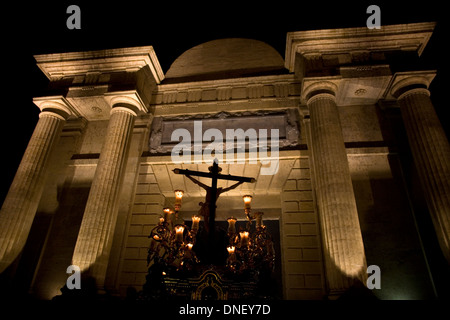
x=300, y=237
x=146, y=210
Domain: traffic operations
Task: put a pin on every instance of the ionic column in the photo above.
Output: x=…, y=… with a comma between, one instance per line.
x=431, y=152
x=345, y=263
x=20, y=205
x=95, y=237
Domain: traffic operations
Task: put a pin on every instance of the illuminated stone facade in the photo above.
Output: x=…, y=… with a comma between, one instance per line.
x=98, y=170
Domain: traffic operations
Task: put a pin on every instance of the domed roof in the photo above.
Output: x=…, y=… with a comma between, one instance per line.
x=225, y=58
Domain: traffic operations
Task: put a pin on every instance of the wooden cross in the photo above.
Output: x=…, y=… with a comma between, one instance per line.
x=214, y=175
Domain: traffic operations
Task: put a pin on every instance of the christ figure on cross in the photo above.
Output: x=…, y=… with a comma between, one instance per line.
x=208, y=208
x=204, y=206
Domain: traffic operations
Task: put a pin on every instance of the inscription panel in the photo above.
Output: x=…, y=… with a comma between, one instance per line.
x=286, y=122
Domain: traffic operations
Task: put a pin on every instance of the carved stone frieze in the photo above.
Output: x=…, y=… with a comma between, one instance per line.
x=252, y=89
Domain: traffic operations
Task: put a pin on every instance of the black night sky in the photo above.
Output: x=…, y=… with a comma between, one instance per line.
x=171, y=28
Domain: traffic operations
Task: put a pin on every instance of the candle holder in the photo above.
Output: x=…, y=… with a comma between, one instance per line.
x=258, y=217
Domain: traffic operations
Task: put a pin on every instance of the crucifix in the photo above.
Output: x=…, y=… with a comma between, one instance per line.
x=212, y=193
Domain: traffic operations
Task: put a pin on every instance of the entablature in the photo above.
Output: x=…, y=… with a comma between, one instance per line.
x=237, y=94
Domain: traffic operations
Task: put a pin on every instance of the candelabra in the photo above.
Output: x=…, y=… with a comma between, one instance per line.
x=251, y=248
x=172, y=241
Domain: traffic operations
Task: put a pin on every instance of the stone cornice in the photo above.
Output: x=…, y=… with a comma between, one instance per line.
x=407, y=37
x=72, y=64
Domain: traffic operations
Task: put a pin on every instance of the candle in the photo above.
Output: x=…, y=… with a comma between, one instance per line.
x=179, y=194
x=166, y=214
x=231, y=225
x=231, y=254
x=195, y=222
x=179, y=233
x=247, y=202
x=244, y=238
x=188, y=252
x=178, y=197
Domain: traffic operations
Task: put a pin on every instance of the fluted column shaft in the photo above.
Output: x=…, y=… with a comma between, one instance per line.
x=20, y=205
x=345, y=261
x=431, y=152
x=95, y=237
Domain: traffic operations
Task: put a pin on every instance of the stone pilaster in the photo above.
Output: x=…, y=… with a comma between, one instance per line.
x=20, y=205
x=431, y=152
x=95, y=237
x=345, y=263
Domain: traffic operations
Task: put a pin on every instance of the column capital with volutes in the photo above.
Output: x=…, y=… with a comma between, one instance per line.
x=56, y=106
x=318, y=88
x=405, y=83
x=129, y=101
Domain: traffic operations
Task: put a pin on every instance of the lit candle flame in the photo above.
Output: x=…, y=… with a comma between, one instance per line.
x=195, y=223
x=247, y=199
x=244, y=238
x=178, y=197
x=231, y=225
x=179, y=194
x=179, y=233
x=156, y=237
